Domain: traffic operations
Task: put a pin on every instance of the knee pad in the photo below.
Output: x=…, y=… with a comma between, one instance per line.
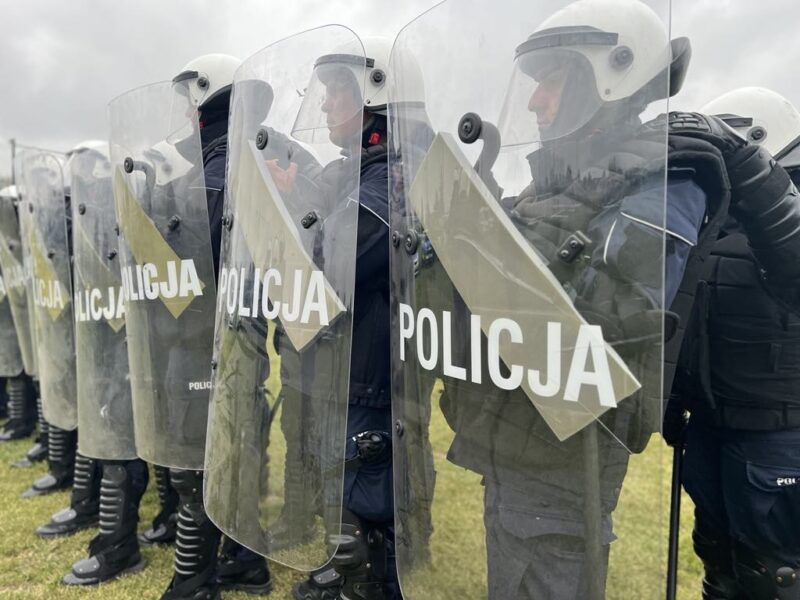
x=188, y=484
x=762, y=576
x=115, y=505
x=361, y=558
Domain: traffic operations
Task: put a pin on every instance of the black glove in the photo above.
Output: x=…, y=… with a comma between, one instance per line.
x=710, y=129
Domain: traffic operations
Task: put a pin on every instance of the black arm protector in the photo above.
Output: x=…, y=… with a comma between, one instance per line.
x=763, y=200
x=767, y=205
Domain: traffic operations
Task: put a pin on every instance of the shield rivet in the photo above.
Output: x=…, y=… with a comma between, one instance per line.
x=262, y=139
x=469, y=128
x=411, y=241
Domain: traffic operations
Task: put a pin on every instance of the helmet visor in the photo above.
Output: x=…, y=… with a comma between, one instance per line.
x=333, y=100
x=552, y=94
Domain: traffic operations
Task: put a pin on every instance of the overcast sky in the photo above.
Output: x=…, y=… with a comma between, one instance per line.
x=63, y=61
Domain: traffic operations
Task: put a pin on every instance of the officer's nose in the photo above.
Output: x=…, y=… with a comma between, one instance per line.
x=538, y=99
x=327, y=104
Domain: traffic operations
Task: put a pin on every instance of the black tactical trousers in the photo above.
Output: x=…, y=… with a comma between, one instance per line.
x=746, y=491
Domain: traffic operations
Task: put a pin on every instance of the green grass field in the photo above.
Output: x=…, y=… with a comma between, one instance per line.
x=31, y=568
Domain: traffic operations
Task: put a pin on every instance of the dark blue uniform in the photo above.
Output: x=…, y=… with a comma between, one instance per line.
x=535, y=527
x=368, y=492
x=740, y=377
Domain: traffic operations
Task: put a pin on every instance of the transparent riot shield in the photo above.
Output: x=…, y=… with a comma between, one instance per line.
x=46, y=229
x=277, y=426
x=11, y=284
x=105, y=414
x=167, y=269
x=23, y=216
x=16, y=278
x=528, y=205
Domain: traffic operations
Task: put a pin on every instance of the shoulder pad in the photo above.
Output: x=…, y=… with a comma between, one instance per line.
x=685, y=122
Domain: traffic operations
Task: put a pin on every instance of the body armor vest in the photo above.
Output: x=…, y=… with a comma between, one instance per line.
x=744, y=355
x=498, y=433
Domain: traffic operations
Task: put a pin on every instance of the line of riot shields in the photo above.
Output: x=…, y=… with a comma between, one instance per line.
x=535, y=275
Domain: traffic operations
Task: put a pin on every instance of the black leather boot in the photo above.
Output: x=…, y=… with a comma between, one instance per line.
x=114, y=551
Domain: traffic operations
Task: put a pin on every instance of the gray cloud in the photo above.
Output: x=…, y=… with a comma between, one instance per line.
x=63, y=61
x=738, y=44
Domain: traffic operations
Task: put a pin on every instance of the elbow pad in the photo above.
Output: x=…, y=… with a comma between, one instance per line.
x=767, y=205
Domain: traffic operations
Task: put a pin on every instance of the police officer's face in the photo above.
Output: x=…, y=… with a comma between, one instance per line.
x=546, y=99
x=342, y=108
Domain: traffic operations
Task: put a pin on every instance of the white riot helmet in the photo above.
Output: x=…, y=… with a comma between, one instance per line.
x=761, y=116
x=95, y=150
x=206, y=78
x=9, y=192
x=361, y=69
x=371, y=77
x=98, y=146
x=606, y=52
x=169, y=164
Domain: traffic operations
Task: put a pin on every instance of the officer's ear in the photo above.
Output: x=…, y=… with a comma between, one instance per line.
x=679, y=66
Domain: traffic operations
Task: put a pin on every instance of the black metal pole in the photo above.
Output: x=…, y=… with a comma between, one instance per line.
x=593, y=515
x=674, y=523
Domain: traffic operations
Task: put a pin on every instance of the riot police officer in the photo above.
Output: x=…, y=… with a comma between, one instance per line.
x=485, y=297
x=739, y=371
x=45, y=225
x=19, y=391
x=363, y=566
x=311, y=168
x=198, y=571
